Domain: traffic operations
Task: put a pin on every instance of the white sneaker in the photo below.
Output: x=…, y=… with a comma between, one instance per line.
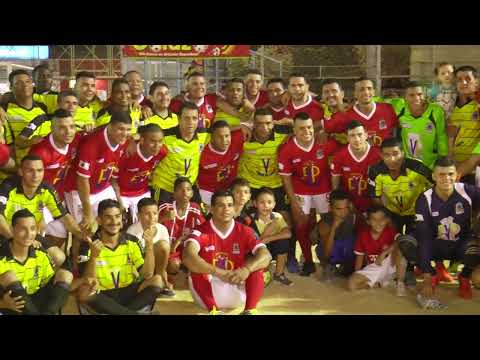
x=401, y=290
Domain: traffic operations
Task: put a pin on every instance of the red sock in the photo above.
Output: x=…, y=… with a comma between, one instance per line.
x=303, y=232
x=254, y=288
x=204, y=290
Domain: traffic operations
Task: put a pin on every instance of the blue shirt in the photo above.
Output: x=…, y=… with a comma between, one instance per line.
x=443, y=220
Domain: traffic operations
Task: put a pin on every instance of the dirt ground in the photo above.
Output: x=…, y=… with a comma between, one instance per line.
x=309, y=296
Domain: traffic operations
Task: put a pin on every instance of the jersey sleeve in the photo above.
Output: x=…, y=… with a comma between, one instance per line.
x=175, y=106
x=374, y=187
x=284, y=164
x=252, y=242
x=41, y=151
x=280, y=223
x=53, y=203
x=33, y=125
x=8, y=133
x=336, y=124
x=163, y=153
x=5, y=188
x=87, y=155
x=420, y=168
x=424, y=233
x=47, y=267
x=441, y=133
x=359, y=248
x=331, y=147
x=197, y=238
x=136, y=253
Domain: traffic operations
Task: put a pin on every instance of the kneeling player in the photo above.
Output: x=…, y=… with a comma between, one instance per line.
x=124, y=281
x=226, y=260
x=29, y=284
x=376, y=245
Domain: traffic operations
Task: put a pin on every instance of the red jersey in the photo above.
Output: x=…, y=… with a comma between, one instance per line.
x=354, y=173
x=97, y=160
x=261, y=100
x=308, y=167
x=366, y=245
x=134, y=171
x=184, y=225
x=277, y=114
x=56, y=161
x=226, y=251
x=380, y=123
x=311, y=107
x=207, y=109
x=218, y=170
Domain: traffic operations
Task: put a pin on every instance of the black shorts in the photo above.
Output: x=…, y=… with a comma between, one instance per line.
x=405, y=224
x=125, y=295
x=445, y=250
x=281, y=198
x=40, y=299
x=278, y=247
x=162, y=196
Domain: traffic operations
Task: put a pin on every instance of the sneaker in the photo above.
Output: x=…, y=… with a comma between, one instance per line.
x=214, y=311
x=267, y=278
x=282, y=279
x=430, y=303
x=401, y=290
x=442, y=273
x=410, y=279
x=465, y=289
x=292, y=265
x=167, y=292
x=328, y=273
x=249, y=312
x=308, y=268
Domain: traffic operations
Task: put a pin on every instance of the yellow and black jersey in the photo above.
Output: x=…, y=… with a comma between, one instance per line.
x=12, y=199
x=118, y=267
x=86, y=115
x=40, y=126
x=466, y=118
x=165, y=123
x=399, y=195
x=49, y=99
x=104, y=116
x=17, y=118
x=34, y=273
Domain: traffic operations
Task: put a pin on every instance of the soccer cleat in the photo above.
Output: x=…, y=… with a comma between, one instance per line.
x=401, y=290
x=442, y=273
x=249, y=312
x=214, y=311
x=282, y=279
x=308, y=268
x=292, y=265
x=465, y=289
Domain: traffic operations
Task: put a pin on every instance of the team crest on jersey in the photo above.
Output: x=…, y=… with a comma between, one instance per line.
x=209, y=108
x=382, y=124
x=320, y=154
x=236, y=249
x=429, y=128
x=475, y=115
x=287, y=112
x=459, y=208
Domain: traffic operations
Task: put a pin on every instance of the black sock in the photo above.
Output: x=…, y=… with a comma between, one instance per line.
x=144, y=298
x=57, y=298
x=104, y=304
x=18, y=290
x=410, y=267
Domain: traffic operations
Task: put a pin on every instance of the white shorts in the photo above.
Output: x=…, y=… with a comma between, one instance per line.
x=379, y=274
x=206, y=196
x=74, y=205
x=131, y=204
x=54, y=227
x=227, y=296
x=317, y=202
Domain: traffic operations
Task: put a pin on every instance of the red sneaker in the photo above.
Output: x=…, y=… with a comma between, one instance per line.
x=442, y=273
x=465, y=289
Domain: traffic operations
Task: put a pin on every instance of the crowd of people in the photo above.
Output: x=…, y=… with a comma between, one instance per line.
x=112, y=200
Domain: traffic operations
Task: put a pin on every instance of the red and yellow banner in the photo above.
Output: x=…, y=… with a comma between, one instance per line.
x=186, y=51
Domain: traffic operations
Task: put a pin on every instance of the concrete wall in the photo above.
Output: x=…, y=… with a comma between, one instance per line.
x=424, y=57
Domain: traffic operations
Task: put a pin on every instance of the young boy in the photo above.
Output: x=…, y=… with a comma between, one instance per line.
x=179, y=217
x=241, y=197
x=376, y=245
x=146, y=227
x=273, y=231
x=443, y=91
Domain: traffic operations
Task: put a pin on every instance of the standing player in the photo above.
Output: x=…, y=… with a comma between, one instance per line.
x=89, y=105
x=134, y=170
x=58, y=150
x=303, y=166
x=253, y=89
x=223, y=274
x=276, y=91
x=422, y=125
x=234, y=96
x=350, y=166
x=42, y=92
x=219, y=160
x=332, y=99
x=160, y=96
x=135, y=81
x=185, y=143
x=464, y=124
x=379, y=119
x=302, y=101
